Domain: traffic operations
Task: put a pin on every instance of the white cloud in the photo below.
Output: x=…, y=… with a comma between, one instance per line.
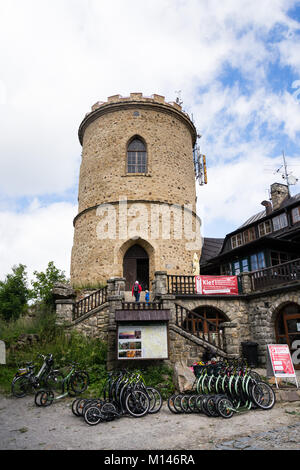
x=236, y=190
x=59, y=57
x=37, y=236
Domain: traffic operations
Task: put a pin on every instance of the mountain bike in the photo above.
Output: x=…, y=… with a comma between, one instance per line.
x=26, y=381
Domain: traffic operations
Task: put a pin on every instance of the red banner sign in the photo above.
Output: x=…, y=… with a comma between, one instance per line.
x=281, y=360
x=220, y=285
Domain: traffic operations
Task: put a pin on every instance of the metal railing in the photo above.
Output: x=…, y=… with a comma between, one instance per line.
x=181, y=284
x=275, y=275
x=197, y=325
x=89, y=303
x=141, y=306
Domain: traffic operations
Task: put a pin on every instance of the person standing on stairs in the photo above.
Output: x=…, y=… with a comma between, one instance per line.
x=136, y=291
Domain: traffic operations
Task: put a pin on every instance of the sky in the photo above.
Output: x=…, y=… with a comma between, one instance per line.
x=235, y=63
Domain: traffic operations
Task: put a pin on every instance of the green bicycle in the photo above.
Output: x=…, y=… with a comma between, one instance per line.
x=75, y=382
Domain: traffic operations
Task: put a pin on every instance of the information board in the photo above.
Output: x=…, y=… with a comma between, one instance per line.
x=221, y=285
x=279, y=359
x=143, y=341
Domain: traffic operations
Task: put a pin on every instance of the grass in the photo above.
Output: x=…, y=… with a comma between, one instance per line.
x=89, y=353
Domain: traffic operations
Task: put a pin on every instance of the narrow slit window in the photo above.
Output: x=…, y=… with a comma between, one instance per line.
x=136, y=157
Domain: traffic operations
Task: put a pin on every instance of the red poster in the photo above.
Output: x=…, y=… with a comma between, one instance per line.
x=221, y=285
x=281, y=360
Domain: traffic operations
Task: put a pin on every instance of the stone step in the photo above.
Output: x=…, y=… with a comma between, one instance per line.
x=130, y=298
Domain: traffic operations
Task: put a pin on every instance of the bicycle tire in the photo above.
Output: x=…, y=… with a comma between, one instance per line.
x=263, y=395
x=203, y=406
x=137, y=403
x=80, y=406
x=170, y=404
x=37, y=398
x=192, y=404
x=79, y=381
x=47, y=398
x=199, y=401
x=184, y=404
x=74, y=406
x=225, y=407
x=93, y=416
x=109, y=411
x=155, y=398
x=20, y=387
x=210, y=405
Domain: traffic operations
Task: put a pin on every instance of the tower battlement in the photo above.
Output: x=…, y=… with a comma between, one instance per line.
x=138, y=100
x=136, y=97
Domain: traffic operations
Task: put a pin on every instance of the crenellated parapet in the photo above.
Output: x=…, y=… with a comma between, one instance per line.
x=135, y=100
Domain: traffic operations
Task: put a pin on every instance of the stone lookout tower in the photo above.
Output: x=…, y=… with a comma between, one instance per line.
x=137, y=197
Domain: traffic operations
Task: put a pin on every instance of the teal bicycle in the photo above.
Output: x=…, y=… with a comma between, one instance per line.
x=74, y=383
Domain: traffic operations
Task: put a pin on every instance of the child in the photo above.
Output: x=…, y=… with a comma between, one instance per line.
x=147, y=296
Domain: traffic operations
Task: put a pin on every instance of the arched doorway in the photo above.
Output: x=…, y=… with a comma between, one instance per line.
x=207, y=324
x=136, y=267
x=212, y=318
x=287, y=328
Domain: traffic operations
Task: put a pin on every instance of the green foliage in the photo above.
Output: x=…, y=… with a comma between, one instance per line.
x=161, y=377
x=90, y=286
x=14, y=294
x=67, y=346
x=43, y=285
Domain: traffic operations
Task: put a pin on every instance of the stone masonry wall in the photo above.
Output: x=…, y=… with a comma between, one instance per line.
x=169, y=136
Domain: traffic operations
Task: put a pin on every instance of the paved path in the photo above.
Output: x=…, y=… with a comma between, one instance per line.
x=25, y=426
x=281, y=438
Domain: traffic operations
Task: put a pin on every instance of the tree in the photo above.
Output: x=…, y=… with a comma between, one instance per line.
x=14, y=294
x=43, y=285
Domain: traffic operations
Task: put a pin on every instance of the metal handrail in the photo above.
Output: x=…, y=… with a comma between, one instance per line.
x=89, y=303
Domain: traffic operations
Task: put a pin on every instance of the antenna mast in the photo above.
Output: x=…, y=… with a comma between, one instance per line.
x=290, y=179
x=200, y=164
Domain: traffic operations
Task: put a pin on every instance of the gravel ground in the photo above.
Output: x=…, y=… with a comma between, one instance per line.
x=25, y=426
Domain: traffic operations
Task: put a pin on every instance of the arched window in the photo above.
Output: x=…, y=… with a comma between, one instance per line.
x=136, y=156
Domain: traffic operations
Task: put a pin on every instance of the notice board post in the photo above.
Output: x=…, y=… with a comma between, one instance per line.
x=279, y=362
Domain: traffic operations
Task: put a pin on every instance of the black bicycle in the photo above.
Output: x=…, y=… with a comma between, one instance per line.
x=26, y=381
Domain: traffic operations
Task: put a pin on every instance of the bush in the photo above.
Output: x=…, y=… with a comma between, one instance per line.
x=67, y=346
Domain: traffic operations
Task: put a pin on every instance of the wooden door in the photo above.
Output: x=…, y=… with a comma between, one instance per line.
x=129, y=270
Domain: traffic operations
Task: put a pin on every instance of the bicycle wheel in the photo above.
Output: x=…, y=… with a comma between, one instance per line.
x=171, y=404
x=210, y=405
x=177, y=403
x=137, y=403
x=79, y=382
x=109, y=412
x=93, y=416
x=155, y=400
x=192, y=404
x=74, y=406
x=20, y=387
x=225, y=407
x=204, y=408
x=263, y=395
x=37, y=397
x=46, y=398
x=198, y=403
x=80, y=405
x=184, y=404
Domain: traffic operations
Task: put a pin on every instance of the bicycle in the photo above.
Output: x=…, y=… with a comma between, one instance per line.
x=26, y=381
x=75, y=382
